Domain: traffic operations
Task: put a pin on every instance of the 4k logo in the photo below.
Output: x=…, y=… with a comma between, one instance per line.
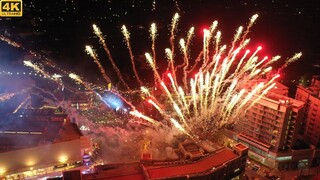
x=10, y=8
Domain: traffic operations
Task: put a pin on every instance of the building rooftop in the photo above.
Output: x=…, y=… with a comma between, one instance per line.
x=33, y=127
x=121, y=171
x=241, y=146
x=284, y=100
x=201, y=166
x=165, y=170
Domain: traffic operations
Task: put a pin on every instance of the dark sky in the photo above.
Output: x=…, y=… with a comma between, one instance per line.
x=60, y=29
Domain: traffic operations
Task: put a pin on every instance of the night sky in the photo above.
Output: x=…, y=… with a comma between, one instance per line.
x=60, y=29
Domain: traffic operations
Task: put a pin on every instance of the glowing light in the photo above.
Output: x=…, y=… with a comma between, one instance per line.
x=115, y=101
x=140, y=115
x=63, y=158
x=2, y=170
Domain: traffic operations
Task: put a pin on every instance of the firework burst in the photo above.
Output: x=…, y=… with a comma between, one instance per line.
x=219, y=93
x=201, y=95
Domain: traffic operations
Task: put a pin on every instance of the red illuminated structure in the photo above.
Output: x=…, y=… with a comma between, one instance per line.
x=311, y=124
x=223, y=163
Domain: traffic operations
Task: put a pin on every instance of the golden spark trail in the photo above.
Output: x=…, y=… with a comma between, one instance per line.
x=99, y=34
x=91, y=52
x=216, y=59
x=140, y=115
x=182, y=95
x=259, y=63
x=174, y=23
x=157, y=107
x=22, y=104
x=145, y=91
x=36, y=68
x=54, y=78
x=252, y=59
x=168, y=92
x=274, y=59
x=252, y=20
x=153, y=67
x=251, y=94
x=179, y=127
x=174, y=86
x=268, y=69
x=10, y=42
x=185, y=48
x=229, y=93
x=262, y=94
x=194, y=96
x=153, y=33
x=171, y=63
x=185, y=64
x=240, y=63
x=206, y=39
x=79, y=80
x=180, y=114
x=236, y=38
x=200, y=91
x=207, y=88
x=235, y=100
x=6, y=97
x=218, y=39
x=198, y=59
x=189, y=37
x=294, y=58
x=126, y=35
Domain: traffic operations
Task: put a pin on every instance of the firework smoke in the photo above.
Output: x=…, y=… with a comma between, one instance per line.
x=219, y=93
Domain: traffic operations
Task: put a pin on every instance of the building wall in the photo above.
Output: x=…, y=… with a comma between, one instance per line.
x=268, y=122
x=312, y=132
x=311, y=123
x=270, y=127
x=40, y=156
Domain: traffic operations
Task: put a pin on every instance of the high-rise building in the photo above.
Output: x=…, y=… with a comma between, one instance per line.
x=311, y=124
x=270, y=128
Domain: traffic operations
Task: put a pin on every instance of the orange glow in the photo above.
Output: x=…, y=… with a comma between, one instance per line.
x=2, y=170
x=63, y=158
x=30, y=162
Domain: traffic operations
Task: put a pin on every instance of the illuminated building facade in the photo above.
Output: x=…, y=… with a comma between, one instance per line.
x=270, y=128
x=311, y=96
x=311, y=124
x=223, y=163
x=39, y=141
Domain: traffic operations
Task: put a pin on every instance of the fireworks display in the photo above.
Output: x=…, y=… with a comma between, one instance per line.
x=213, y=92
x=197, y=94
